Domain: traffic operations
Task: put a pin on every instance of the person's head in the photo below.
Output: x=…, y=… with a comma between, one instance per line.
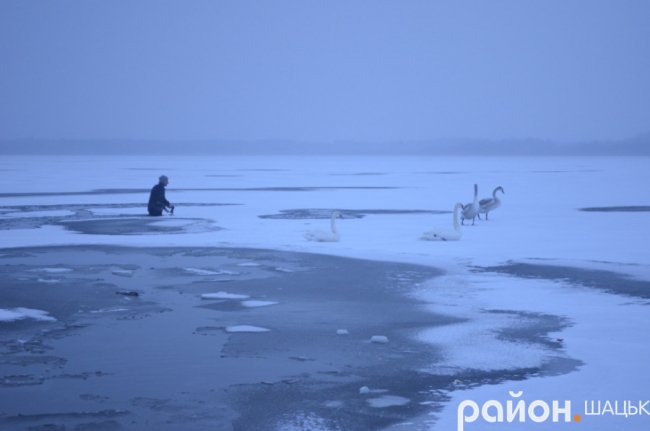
x=163, y=180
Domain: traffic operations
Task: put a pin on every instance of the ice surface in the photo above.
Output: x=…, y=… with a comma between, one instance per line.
x=539, y=220
x=476, y=343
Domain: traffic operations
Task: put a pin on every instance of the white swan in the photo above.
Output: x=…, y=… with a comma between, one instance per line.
x=323, y=236
x=445, y=234
x=490, y=204
x=470, y=210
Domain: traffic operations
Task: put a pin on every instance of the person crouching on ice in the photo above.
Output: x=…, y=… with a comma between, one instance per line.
x=157, y=201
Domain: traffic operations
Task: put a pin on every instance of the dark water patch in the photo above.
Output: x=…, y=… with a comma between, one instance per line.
x=21, y=380
x=94, y=397
x=565, y=171
x=337, y=404
x=77, y=207
x=441, y=172
x=84, y=219
x=208, y=330
x=65, y=415
x=620, y=209
x=608, y=281
x=139, y=226
x=263, y=170
x=326, y=213
x=149, y=169
x=110, y=425
x=228, y=305
x=35, y=357
x=360, y=174
x=80, y=376
x=188, y=373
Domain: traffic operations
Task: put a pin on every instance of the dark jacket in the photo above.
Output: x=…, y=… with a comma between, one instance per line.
x=157, y=199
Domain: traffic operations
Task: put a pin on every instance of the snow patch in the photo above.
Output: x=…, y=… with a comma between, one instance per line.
x=48, y=280
x=282, y=269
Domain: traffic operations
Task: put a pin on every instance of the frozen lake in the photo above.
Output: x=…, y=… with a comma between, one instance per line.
x=549, y=296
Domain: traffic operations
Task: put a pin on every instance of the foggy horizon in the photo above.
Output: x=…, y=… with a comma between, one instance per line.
x=310, y=72
x=638, y=145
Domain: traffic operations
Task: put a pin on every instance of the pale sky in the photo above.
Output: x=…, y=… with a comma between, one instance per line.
x=366, y=70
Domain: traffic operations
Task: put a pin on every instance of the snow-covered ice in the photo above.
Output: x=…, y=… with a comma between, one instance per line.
x=538, y=222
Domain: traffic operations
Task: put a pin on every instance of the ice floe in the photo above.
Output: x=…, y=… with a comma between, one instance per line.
x=255, y=303
x=223, y=295
x=13, y=314
x=245, y=328
x=201, y=271
x=379, y=339
x=387, y=401
x=53, y=270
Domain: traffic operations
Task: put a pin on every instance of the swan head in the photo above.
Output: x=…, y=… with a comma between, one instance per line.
x=499, y=188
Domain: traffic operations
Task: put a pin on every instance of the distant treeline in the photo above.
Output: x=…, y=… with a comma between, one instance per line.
x=456, y=147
